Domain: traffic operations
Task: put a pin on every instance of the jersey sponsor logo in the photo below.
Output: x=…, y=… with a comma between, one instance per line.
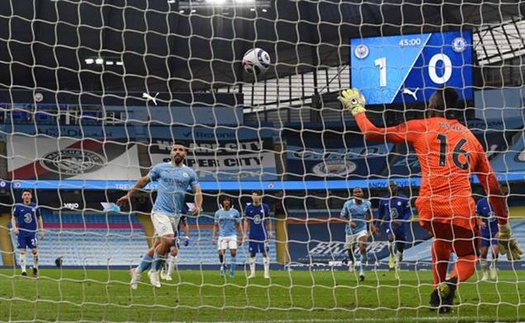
x=72, y=161
x=334, y=168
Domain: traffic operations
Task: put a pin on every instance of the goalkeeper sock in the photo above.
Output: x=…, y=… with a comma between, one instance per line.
x=144, y=264
x=266, y=262
x=35, y=261
x=23, y=262
x=465, y=267
x=252, y=265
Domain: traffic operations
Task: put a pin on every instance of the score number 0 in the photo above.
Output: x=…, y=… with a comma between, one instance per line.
x=432, y=70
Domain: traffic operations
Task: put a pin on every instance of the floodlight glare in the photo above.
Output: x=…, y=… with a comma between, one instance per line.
x=99, y=61
x=89, y=61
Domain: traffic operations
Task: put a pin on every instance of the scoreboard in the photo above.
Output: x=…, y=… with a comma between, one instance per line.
x=409, y=68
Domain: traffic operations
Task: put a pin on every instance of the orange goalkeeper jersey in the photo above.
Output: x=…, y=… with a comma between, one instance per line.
x=448, y=155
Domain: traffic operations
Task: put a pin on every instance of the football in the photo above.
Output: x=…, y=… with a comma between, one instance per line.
x=256, y=61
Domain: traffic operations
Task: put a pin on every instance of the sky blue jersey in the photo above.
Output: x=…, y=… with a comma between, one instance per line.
x=357, y=213
x=484, y=210
x=227, y=221
x=257, y=217
x=172, y=185
x=26, y=217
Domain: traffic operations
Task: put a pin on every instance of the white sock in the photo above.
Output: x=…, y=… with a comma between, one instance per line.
x=266, y=262
x=252, y=265
x=35, y=261
x=23, y=262
x=171, y=264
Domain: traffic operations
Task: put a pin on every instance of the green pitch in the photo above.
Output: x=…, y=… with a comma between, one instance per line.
x=105, y=295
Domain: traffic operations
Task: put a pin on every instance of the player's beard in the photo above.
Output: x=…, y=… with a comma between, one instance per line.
x=177, y=159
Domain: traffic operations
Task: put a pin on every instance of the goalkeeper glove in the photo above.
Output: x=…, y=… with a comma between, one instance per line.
x=186, y=241
x=353, y=101
x=508, y=244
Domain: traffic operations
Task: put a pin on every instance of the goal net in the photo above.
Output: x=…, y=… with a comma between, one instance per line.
x=95, y=93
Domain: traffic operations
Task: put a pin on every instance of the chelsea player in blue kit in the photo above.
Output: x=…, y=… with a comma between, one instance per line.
x=357, y=213
x=228, y=224
x=259, y=225
x=24, y=221
x=173, y=179
x=488, y=224
x=394, y=210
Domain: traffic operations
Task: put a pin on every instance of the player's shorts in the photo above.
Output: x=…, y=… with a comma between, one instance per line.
x=351, y=239
x=26, y=240
x=486, y=240
x=229, y=242
x=257, y=246
x=459, y=240
x=164, y=225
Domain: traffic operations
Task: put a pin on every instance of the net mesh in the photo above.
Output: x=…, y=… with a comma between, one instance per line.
x=94, y=93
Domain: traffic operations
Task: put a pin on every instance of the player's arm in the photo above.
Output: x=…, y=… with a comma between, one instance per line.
x=239, y=226
x=215, y=229
x=408, y=211
x=269, y=228
x=13, y=223
x=380, y=214
x=141, y=183
x=370, y=218
x=491, y=186
x=40, y=224
x=246, y=223
x=198, y=199
x=355, y=102
x=479, y=217
x=345, y=216
x=507, y=242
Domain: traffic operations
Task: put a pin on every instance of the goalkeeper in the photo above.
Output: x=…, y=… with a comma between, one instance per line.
x=448, y=154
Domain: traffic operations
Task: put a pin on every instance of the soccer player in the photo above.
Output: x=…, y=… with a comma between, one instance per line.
x=488, y=224
x=173, y=178
x=25, y=222
x=259, y=225
x=448, y=154
x=394, y=209
x=358, y=214
x=228, y=224
x=169, y=266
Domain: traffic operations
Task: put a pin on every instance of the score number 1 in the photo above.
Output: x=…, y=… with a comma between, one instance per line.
x=432, y=69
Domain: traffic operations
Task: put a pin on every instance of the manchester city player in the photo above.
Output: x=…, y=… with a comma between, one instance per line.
x=228, y=224
x=358, y=214
x=257, y=222
x=173, y=179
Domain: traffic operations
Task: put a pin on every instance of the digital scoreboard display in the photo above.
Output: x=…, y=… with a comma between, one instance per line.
x=409, y=68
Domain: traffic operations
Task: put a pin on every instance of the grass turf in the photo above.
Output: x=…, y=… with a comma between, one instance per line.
x=105, y=295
